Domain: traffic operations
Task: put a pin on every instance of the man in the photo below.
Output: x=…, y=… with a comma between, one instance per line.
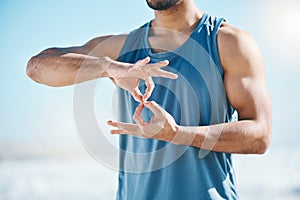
x=180, y=146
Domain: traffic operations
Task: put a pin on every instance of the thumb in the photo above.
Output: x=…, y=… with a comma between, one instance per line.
x=142, y=62
x=155, y=108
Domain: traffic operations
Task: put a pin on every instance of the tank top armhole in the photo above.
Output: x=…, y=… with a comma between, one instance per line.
x=127, y=46
x=217, y=58
x=132, y=42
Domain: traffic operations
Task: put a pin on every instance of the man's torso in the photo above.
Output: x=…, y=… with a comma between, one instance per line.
x=152, y=169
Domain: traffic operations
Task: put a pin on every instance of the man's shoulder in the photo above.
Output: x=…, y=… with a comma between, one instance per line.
x=107, y=40
x=230, y=34
x=235, y=43
x=109, y=45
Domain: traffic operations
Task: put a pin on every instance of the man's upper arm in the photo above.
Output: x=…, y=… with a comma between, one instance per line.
x=244, y=76
x=109, y=45
x=106, y=46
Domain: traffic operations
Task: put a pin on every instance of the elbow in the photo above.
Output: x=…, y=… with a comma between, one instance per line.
x=263, y=142
x=35, y=70
x=258, y=141
x=31, y=69
x=36, y=63
x=262, y=146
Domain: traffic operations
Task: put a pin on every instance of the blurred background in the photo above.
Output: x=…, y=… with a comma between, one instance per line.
x=41, y=156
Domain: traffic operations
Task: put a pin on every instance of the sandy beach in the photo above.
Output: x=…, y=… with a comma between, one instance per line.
x=271, y=176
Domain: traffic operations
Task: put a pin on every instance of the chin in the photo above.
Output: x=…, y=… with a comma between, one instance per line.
x=162, y=4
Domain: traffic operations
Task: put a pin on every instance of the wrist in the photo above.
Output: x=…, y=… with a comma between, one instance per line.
x=186, y=136
x=175, y=134
x=115, y=69
x=106, y=62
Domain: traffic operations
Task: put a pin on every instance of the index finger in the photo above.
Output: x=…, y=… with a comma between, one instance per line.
x=137, y=95
x=165, y=74
x=150, y=87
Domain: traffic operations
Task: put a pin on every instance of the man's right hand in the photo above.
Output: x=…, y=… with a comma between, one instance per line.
x=96, y=59
x=128, y=76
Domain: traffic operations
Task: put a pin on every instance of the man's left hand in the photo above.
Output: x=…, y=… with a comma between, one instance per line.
x=162, y=126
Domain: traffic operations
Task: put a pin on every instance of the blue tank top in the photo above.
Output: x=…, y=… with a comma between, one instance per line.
x=158, y=170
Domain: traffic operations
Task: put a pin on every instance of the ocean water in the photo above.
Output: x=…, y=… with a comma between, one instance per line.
x=275, y=175
x=55, y=179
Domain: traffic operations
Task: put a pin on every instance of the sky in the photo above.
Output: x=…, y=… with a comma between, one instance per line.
x=37, y=115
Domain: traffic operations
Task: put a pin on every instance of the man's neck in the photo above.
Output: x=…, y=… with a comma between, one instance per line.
x=182, y=17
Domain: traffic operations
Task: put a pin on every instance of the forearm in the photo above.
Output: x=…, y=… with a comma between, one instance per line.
x=66, y=69
x=244, y=137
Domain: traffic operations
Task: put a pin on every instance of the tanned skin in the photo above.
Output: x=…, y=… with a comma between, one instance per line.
x=244, y=81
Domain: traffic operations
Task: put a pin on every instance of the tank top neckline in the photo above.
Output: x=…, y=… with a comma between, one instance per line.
x=169, y=54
